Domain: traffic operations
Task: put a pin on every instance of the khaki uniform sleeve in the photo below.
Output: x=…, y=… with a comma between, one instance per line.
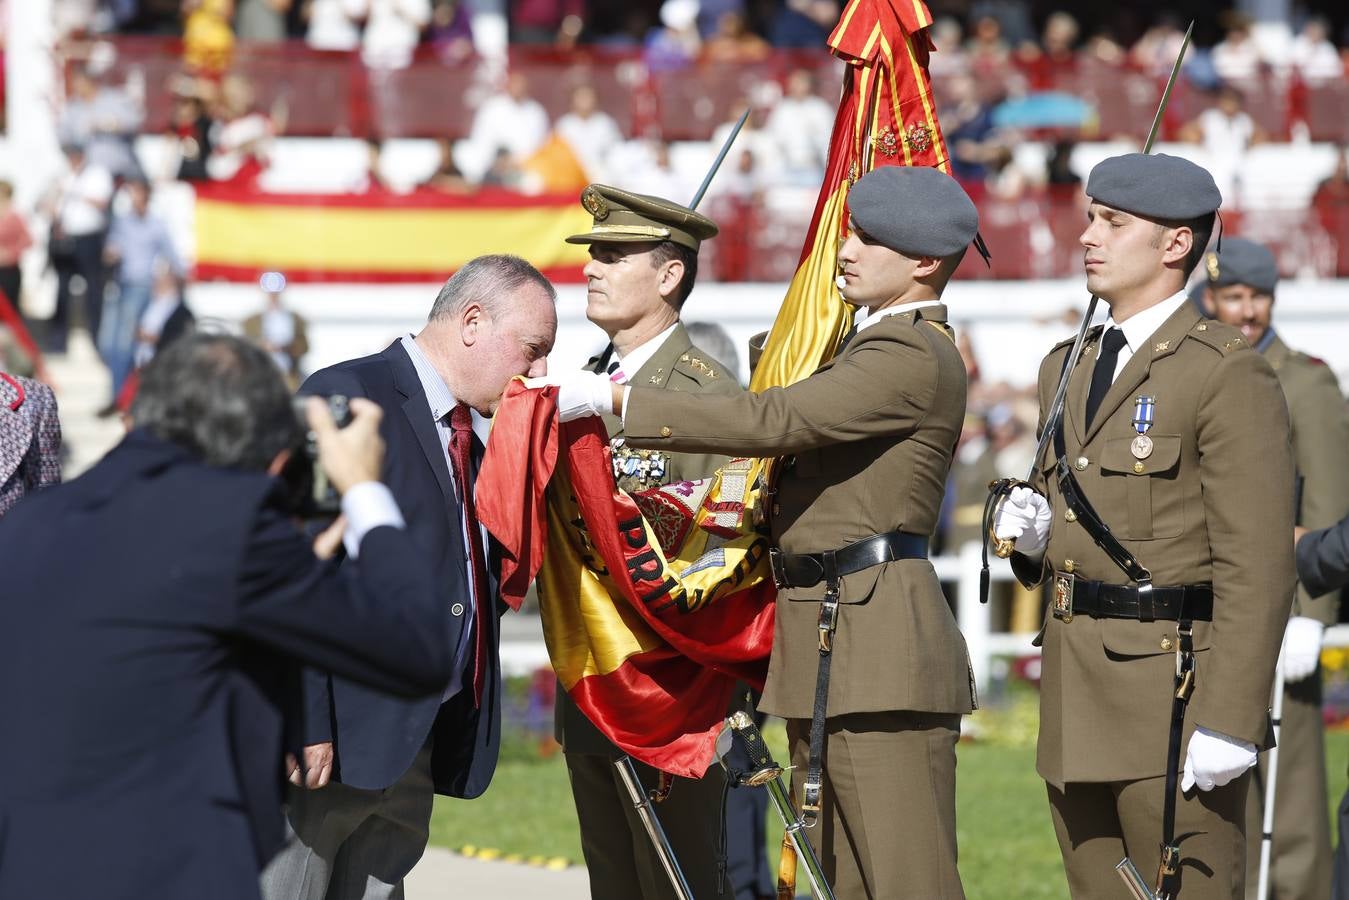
x=1031, y=572
x=693, y=466
x=883, y=386
x=1320, y=439
x=1246, y=472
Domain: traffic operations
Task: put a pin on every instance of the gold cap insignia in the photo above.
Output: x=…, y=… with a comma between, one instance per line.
x=595, y=204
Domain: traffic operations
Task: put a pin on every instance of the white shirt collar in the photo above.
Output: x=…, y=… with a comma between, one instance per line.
x=873, y=317
x=1141, y=326
x=632, y=362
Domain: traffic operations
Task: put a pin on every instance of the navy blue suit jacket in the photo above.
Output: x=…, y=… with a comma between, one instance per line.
x=375, y=736
x=153, y=610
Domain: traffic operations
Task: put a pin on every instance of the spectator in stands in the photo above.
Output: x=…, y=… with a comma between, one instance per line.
x=968, y=124
x=733, y=42
x=1057, y=54
x=191, y=127
x=950, y=59
x=1314, y=58
x=393, y=28
x=1236, y=57
x=1226, y=131
x=675, y=42
x=656, y=175
x=510, y=121
x=280, y=331
x=741, y=179
x=1331, y=204
x=333, y=24
x=261, y=20
x=208, y=38
x=243, y=141
x=14, y=240
x=718, y=343
x=447, y=178
x=373, y=180
x=800, y=125
x=1015, y=25
x=79, y=212
x=1059, y=174
x=557, y=22
x=451, y=31
x=138, y=243
x=1004, y=179
x=1156, y=51
x=986, y=49
x=1104, y=47
x=105, y=120
x=803, y=23
x=591, y=133
x=504, y=172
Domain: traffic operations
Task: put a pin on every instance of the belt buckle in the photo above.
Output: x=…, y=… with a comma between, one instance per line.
x=1064, y=584
x=810, y=803
x=779, y=570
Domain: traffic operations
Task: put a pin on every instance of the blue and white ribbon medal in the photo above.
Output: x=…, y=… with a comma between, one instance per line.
x=1144, y=408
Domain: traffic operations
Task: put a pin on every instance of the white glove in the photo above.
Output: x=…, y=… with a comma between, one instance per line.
x=1024, y=517
x=580, y=394
x=1301, y=648
x=1213, y=759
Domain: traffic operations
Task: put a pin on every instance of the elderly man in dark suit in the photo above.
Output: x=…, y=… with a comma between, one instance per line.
x=146, y=656
x=30, y=439
x=358, y=836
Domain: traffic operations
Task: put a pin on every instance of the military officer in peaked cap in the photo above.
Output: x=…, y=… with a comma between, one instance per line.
x=1240, y=283
x=643, y=262
x=1155, y=516
x=868, y=439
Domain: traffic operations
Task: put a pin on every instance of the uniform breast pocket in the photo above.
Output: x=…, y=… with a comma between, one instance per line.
x=1155, y=507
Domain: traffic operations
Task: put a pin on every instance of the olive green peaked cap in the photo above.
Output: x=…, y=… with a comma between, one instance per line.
x=624, y=217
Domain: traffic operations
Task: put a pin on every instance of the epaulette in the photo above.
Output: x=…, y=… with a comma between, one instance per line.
x=1092, y=333
x=1223, y=338
x=698, y=366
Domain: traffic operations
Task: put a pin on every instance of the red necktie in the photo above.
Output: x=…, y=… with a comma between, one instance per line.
x=461, y=451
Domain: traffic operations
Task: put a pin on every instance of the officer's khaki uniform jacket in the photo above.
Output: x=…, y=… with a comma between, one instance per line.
x=677, y=366
x=1320, y=425
x=1212, y=503
x=872, y=433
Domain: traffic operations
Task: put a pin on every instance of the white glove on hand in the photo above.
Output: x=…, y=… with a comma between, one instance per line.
x=580, y=394
x=1301, y=648
x=1213, y=759
x=1024, y=517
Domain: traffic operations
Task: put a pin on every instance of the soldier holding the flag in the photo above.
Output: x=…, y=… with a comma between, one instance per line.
x=643, y=263
x=1156, y=516
x=865, y=643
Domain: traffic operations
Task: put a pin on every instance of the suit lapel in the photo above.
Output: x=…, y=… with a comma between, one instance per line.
x=1161, y=342
x=418, y=414
x=655, y=372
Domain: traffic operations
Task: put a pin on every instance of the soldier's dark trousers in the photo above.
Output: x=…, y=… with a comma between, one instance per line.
x=1098, y=823
x=619, y=856
x=887, y=827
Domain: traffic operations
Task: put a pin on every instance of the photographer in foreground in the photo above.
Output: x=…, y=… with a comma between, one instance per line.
x=153, y=614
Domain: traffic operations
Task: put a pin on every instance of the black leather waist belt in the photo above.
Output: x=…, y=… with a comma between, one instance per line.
x=803, y=570
x=1126, y=601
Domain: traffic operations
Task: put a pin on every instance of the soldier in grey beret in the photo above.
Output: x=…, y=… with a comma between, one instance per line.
x=1239, y=290
x=867, y=441
x=1156, y=515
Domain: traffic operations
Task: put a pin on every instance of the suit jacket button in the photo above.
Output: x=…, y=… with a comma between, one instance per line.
x=1081, y=464
x=457, y=609
x=665, y=431
x=1165, y=644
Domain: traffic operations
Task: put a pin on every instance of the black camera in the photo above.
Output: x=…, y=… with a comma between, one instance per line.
x=309, y=493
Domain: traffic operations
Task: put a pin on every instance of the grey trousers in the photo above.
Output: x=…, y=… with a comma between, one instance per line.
x=352, y=844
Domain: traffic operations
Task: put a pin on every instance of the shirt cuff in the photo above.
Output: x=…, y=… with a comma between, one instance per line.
x=367, y=506
x=627, y=392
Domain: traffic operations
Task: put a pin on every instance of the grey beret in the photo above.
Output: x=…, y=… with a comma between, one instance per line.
x=1242, y=262
x=916, y=210
x=1156, y=186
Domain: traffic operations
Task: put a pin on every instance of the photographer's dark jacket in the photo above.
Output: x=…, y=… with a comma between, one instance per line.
x=152, y=610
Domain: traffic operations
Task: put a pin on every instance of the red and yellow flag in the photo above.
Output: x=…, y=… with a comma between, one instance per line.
x=655, y=603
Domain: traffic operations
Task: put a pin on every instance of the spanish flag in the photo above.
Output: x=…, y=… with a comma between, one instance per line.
x=655, y=603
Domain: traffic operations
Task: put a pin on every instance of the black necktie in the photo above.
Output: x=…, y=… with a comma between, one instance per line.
x=1104, y=373
x=847, y=339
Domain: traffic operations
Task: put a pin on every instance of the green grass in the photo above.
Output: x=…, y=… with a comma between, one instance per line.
x=1007, y=847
